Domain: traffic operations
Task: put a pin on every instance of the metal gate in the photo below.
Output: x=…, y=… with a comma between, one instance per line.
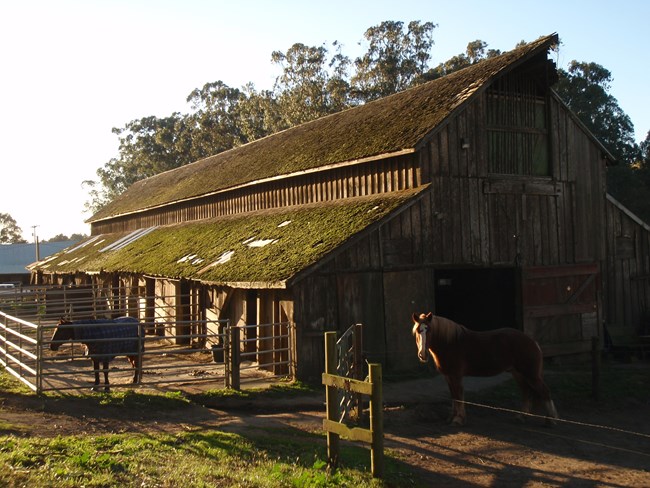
x=187, y=354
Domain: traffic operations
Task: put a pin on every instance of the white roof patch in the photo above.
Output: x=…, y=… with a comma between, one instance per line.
x=261, y=242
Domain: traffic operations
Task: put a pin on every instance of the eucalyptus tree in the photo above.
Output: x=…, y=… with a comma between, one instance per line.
x=213, y=125
x=585, y=87
x=147, y=146
x=395, y=59
x=476, y=51
x=312, y=84
x=10, y=232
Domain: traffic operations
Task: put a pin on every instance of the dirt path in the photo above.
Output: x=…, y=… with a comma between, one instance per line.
x=494, y=449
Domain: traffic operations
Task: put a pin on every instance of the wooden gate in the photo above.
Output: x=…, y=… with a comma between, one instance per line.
x=561, y=307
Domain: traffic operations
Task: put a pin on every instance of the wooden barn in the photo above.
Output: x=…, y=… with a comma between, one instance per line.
x=478, y=196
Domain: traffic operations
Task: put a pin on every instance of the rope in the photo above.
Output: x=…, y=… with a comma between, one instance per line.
x=566, y=421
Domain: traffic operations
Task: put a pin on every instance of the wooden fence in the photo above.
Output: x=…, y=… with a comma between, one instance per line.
x=334, y=425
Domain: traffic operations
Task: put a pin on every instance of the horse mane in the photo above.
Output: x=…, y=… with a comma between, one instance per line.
x=445, y=331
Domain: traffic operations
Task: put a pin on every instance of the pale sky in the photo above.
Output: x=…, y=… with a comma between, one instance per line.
x=71, y=70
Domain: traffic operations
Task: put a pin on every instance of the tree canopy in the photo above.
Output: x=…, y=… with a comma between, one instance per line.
x=10, y=233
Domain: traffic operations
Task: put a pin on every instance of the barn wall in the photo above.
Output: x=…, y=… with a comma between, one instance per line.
x=627, y=272
x=375, y=177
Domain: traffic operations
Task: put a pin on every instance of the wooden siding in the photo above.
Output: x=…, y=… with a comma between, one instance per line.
x=478, y=218
x=382, y=176
x=627, y=274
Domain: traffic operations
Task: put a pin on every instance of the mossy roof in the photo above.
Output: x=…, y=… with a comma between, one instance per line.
x=264, y=249
x=395, y=123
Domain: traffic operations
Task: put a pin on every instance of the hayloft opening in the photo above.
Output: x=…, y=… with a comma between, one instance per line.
x=481, y=299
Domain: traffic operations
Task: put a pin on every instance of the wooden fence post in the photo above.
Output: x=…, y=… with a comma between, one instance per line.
x=376, y=422
x=331, y=400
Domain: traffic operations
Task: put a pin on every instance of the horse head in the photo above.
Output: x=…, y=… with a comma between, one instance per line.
x=421, y=330
x=61, y=333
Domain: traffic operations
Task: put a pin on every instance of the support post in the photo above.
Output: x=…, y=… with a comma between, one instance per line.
x=595, y=368
x=376, y=422
x=235, y=383
x=331, y=401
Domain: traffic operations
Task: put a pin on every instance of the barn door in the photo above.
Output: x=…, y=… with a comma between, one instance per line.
x=561, y=307
x=405, y=293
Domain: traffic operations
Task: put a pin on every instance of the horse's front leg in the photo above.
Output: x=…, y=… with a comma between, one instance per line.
x=458, y=415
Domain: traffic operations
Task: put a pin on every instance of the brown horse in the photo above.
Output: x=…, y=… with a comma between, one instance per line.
x=458, y=351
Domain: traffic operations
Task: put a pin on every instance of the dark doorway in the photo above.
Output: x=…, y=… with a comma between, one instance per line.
x=481, y=299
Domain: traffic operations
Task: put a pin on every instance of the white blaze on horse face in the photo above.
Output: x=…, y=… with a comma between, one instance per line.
x=421, y=332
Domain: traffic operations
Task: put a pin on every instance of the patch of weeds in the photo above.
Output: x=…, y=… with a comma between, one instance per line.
x=281, y=390
x=9, y=384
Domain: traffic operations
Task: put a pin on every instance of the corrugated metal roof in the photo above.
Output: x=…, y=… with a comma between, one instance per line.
x=14, y=258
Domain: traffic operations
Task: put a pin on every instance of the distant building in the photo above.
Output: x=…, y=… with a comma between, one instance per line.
x=15, y=257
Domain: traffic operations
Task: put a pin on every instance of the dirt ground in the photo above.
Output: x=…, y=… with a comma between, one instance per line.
x=589, y=447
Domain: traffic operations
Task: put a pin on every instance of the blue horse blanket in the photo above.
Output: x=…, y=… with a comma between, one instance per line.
x=106, y=338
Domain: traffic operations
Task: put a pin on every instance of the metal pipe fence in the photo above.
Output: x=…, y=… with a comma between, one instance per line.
x=190, y=354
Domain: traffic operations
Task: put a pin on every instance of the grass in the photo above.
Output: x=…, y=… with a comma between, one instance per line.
x=572, y=387
x=199, y=457
x=190, y=459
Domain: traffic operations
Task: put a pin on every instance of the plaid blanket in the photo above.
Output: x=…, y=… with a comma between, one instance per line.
x=106, y=339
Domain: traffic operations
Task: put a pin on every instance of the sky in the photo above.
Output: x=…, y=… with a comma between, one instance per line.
x=72, y=70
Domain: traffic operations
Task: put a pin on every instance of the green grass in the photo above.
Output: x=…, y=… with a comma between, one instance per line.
x=189, y=459
x=281, y=390
x=199, y=457
x=572, y=387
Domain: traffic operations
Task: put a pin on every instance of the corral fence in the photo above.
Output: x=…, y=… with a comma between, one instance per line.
x=193, y=353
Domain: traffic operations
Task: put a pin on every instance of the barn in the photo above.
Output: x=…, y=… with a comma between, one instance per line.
x=478, y=196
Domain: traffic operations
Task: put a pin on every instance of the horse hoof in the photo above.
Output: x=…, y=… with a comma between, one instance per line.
x=457, y=421
x=550, y=422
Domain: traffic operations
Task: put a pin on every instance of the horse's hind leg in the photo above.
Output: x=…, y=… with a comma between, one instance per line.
x=106, y=384
x=526, y=395
x=538, y=386
x=137, y=368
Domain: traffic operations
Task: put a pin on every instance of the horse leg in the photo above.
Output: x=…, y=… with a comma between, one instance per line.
x=106, y=384
x=137, y=373
x=458, y=415
x=538, y=386
x=551, y=412
x=526, y=395
x=96, y=371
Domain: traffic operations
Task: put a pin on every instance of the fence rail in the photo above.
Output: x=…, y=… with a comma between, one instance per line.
x=198, y=353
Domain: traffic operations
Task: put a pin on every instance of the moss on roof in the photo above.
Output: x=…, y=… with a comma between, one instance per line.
x=384, y=126
x=265, y=248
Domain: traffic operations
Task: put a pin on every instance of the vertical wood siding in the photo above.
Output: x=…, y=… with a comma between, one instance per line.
x=627, y=272
x=385, y=175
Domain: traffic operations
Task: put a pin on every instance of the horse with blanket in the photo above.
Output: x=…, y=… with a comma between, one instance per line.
x=104, y=339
